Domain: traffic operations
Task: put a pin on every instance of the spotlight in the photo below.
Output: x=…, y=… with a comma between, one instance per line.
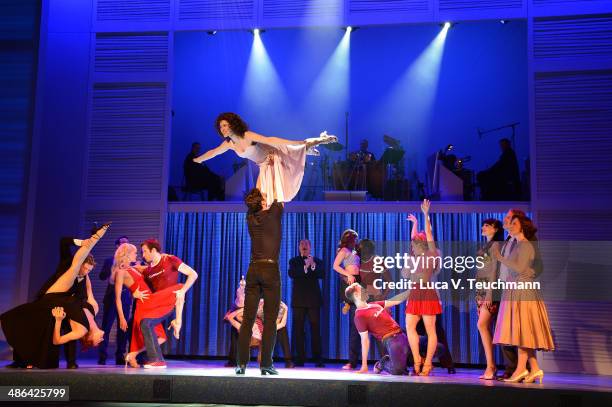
x=349, y=29
x=257, y=31
x=447, y=25
x=504, y=21
x=213, y=32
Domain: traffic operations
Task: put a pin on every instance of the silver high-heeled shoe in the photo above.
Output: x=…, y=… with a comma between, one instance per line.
x=539, y=376
x=518, y=378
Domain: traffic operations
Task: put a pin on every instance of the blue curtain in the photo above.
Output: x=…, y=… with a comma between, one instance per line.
x=217, y=246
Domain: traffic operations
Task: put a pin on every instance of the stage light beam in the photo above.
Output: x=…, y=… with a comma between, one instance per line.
x=263, y=94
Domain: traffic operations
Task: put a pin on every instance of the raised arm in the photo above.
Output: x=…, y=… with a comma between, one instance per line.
x=430, y=240
x=272, y=141
x=220, y=149
x=415, y=225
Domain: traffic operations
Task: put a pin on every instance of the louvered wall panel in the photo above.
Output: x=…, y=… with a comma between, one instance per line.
x=456, y=5
x=388, y=6
x=581, y=332
x=573, y=128
x=573, y=37
x=216, y=9
x=302, y=9
x=132, y=10
x=555, y=2
x=576, y=279
x=137, y=225
x=131, y=52
x=563, y=224
x=127, y=136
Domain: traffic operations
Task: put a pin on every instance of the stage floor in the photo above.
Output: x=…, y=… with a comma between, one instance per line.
x=210, y=382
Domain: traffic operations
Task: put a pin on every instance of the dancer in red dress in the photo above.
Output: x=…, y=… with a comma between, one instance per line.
x=153, y=305
x=423, y=302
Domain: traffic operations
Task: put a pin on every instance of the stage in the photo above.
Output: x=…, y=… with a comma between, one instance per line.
x=209, y=382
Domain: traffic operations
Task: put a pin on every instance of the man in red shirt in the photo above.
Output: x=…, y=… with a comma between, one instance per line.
x=162, y=272
x=372, y=318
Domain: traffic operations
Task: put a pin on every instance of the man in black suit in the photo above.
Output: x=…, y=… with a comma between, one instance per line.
x=306, y=270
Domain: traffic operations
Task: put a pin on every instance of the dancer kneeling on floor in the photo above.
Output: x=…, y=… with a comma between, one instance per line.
x=373, y=319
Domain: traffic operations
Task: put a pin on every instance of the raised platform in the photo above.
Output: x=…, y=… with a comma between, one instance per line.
x=210, y=382
x=357, y=207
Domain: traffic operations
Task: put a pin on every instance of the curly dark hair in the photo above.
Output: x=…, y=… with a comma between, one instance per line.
x=527, y=227
x=238, y=126
x=253, y=200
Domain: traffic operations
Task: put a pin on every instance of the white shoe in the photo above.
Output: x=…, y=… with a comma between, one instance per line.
x=327, y=138
x=313, y=151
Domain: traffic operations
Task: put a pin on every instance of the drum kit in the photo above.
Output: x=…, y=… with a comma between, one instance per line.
x=360, y=171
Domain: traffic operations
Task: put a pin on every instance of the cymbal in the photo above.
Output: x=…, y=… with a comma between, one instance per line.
x=333, y=146
x=390, y=141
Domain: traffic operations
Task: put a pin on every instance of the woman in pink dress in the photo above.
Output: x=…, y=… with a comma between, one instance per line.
x=281, y=162
x=150, y=305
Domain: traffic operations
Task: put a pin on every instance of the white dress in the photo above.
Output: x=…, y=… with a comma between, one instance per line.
x=281, y=169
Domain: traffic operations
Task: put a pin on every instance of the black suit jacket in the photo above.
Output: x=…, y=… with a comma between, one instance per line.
x=306, y=291
x=65, y=261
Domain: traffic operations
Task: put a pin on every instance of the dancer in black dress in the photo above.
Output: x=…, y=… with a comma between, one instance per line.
x=33, y=329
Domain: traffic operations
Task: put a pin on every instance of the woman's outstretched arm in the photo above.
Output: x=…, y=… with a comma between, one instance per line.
x=415, y=225
x=220, y=149
x=272, y=141
x=77, y=332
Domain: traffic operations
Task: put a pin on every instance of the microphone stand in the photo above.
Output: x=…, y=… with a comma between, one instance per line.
x=511, y=125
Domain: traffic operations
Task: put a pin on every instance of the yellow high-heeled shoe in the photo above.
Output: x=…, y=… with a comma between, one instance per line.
x=539, y=376
x=518, y=378
x=130, y=358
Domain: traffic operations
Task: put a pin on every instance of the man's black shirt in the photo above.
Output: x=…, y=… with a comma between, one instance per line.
x=265, y=231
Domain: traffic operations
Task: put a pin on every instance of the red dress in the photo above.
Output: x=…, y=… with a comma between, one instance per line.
x=157, y=305
x=424, y=301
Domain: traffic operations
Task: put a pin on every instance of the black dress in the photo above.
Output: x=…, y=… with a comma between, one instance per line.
x=29, y=328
